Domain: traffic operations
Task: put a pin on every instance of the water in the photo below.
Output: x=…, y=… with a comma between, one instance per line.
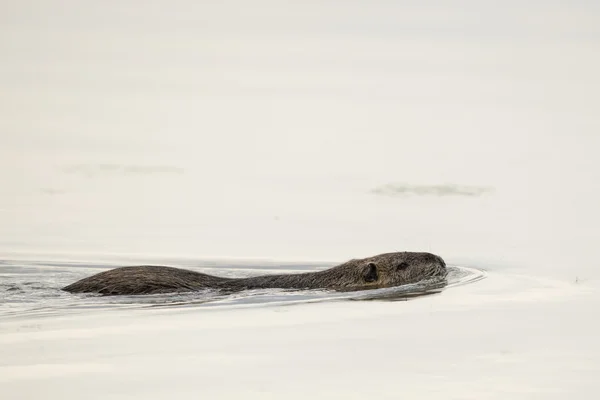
x=241, y=138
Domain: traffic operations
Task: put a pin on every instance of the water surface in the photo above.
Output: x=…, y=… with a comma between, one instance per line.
x=233, y=136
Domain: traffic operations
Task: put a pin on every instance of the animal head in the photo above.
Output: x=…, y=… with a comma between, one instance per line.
x=391, y=269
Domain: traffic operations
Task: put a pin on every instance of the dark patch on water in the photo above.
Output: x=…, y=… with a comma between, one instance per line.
x=92, y=170
x=400, y=190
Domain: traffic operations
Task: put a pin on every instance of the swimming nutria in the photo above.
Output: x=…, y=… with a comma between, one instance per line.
x=383, y=270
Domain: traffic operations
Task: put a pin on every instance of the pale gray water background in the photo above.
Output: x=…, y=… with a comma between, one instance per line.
x=303, y=135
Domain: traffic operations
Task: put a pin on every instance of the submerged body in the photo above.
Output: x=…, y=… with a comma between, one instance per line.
x=383, y=270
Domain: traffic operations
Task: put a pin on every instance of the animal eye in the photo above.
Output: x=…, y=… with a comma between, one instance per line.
x=402, y=266
x=371, y=273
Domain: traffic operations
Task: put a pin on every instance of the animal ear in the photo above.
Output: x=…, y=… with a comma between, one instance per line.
x=371, y=273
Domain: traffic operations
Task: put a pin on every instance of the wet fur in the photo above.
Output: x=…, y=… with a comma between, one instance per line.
x=383, y=270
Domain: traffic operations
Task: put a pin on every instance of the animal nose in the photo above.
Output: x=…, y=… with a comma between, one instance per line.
x=441, y=261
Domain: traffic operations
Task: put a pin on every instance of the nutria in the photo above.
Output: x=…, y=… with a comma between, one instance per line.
x=383, y=270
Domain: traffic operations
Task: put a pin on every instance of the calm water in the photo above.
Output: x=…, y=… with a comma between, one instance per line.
x=240, y=138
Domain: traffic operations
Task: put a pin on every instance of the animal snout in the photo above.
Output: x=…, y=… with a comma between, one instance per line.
x=441, y=261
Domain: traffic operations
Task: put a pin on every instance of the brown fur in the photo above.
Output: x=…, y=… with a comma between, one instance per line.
x=384, y=270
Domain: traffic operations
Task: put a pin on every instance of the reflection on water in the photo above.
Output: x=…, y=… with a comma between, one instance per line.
x=397, y=189
x=91, y=170
x=34, y=288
